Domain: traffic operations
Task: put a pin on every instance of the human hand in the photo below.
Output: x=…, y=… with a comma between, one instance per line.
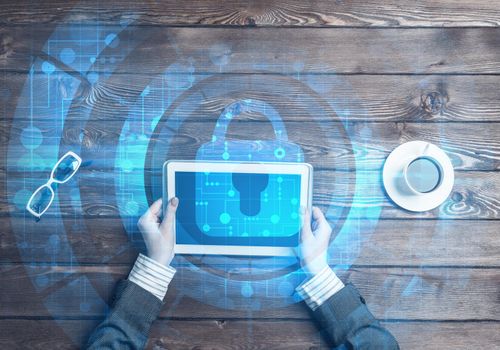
x=314, y=240
x=159, y=237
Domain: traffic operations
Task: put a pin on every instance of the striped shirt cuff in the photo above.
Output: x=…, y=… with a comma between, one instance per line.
x=320, y=288
x=151, y=276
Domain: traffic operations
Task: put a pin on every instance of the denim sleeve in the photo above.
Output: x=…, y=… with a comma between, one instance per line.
x=130, y=318
x=348, y=323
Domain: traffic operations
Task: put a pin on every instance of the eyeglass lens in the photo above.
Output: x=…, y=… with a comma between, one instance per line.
x=66, y=168
x=41, y=199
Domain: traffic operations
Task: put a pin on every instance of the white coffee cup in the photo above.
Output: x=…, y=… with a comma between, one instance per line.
x=423, y=174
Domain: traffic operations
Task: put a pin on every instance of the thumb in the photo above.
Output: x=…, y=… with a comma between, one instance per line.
x=169, y=220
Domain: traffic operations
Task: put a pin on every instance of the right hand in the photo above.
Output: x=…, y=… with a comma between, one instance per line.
x=314, y=241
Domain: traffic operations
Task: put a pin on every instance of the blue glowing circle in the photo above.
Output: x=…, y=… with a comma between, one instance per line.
x=294, y=215
x=32, y=162
x=220, y=54
x=48, y=67
x=31, y=137
x=206, y=228
x=266, y=233
x=246, y=290
x=231, y=193
x=112, y=40
x=279, y=153
x=225, y=155
x=54, y=240
x=93, y=77
x=21, y=198
x=84, y=306
x=225, y=218
x=294, y=201
x=67, y=55
x=275, y=218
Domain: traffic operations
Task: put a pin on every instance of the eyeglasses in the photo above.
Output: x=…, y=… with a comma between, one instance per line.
x=64, y=170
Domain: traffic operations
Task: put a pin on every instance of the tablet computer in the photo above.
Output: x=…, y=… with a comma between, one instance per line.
x=237, y=208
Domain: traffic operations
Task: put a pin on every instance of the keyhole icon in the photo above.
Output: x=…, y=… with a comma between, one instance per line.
x=250, y=187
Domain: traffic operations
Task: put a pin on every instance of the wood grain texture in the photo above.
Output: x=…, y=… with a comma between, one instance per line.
x=473, y=196
x=287, y=50
x=259, y=13
x=219, y=334
x=393, y=242
x=391, y=293
x=377, y=98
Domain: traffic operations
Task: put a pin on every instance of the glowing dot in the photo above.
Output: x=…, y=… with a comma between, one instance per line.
x=67, y=55
x=85, y=306
x=266, y=233
x=206, y=227
x=214, y=138
x=294, y=201
x=21, y=198
x=275, y=218
x=294, y=215
x=48, y=67
x=244, y=234
x=31, y=137
x=93, y=77
x=54, y=240
x=212, y=183
x=279, y=153
x=217, y=183
x=126, y=165
x=112, y=40
x=230, y=193
x=207, y=183
x=225, y=218
x=225, y=156
x=92, y=59
x=247, y=290
x=279, y=179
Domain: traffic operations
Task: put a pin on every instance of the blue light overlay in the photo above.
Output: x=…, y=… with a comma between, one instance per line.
x=214, y=206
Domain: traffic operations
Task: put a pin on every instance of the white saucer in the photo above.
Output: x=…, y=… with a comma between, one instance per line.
x=393, y=172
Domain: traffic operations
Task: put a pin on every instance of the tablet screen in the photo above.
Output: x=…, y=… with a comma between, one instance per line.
x=251, y=209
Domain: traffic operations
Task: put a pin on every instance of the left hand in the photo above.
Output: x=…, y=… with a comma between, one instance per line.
x=159, y=236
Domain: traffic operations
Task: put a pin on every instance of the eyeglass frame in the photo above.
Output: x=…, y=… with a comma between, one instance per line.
x=52, y=180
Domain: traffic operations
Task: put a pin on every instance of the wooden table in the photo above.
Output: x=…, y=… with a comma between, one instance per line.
x=419, y=70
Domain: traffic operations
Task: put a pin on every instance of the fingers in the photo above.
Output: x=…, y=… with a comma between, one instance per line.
x=169, y=220
x=305, y=231
x=323, y=228
x=155, y=209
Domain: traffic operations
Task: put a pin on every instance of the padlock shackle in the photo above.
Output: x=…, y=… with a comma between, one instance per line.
x=240, y=106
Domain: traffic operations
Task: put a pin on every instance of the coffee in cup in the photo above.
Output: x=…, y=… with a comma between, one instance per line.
x=423, y=175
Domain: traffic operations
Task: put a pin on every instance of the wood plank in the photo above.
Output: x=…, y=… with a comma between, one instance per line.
x=285, y=50
x=420, y=243
x=392, y=98
x=473, y=196
x=257, y=13
x=391, y=293
x=255, y=334
x=326, y=145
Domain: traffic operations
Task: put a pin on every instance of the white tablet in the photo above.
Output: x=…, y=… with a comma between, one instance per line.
x=237, y=208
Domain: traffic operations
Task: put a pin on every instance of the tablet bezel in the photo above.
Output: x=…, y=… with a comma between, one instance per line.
x=305, y=170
